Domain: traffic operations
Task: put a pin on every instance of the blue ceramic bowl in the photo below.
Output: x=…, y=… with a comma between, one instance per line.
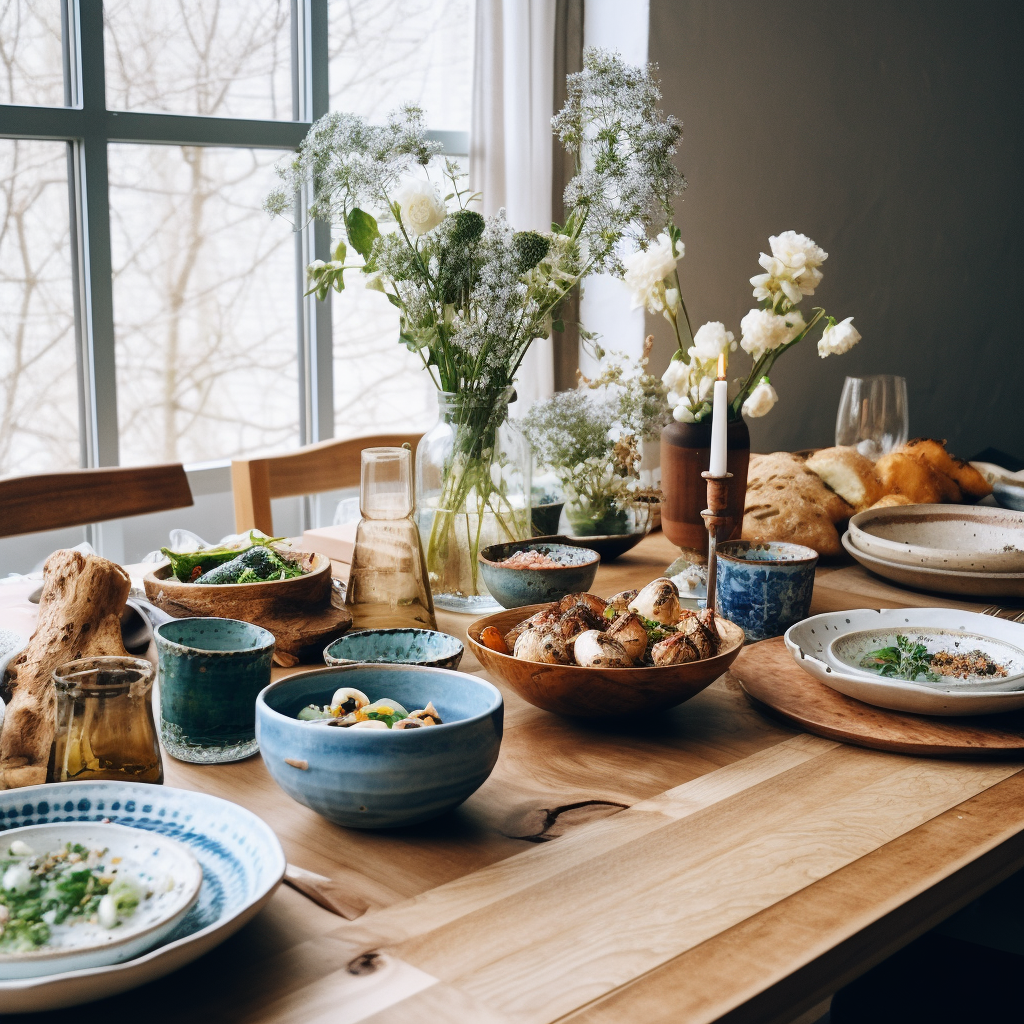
x=1009, y=494
x=376, y=778
x=765, y=588
x=515, y=588
x=396, y=647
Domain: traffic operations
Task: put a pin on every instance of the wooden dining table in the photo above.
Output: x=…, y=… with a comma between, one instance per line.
x=708, y=863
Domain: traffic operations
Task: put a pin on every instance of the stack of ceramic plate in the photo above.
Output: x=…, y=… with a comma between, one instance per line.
x=972, y=550
x=841, y=650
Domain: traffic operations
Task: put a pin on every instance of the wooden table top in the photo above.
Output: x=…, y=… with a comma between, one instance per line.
x=710, y=865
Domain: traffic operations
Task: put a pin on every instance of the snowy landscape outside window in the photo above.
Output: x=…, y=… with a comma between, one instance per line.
x=151, y=310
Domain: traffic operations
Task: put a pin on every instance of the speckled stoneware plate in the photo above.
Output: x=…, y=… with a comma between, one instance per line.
x=809, y=643
x=242, y=864
x=968, y=538
x=164, y=868
x=851, y=650
x=942, y=581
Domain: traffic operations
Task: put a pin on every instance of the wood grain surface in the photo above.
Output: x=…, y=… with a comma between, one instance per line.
x=706, y=864
x=770, y=677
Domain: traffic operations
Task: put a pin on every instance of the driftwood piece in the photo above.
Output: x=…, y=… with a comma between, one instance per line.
x=79, y=617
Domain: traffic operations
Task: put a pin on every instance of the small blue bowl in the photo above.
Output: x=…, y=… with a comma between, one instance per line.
x=765, y=588
x=409, y=646
x=376, y=778
x=515, y=588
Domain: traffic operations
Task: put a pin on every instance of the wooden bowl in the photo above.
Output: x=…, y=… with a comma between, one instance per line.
x=298, y=611
x=598, y=692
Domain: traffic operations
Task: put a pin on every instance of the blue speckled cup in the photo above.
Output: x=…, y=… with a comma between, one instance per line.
x=211, y=671
x=765, y=588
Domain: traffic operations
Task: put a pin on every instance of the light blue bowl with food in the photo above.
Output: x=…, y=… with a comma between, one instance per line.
x=404, y=646
x=373, y=774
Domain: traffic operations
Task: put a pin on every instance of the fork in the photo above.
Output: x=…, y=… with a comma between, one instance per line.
x=1015, y=615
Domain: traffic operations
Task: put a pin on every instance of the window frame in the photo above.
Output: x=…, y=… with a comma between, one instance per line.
x=88, y=127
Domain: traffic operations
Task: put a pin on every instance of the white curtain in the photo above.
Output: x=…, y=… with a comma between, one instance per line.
x=510, y=139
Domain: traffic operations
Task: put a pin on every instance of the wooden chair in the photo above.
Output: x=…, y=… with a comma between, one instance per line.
x=327, y=466
x=53, y=501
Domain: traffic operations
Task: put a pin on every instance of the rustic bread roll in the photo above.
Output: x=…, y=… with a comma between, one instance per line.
x=793, y=520
x=934, y=454
x=849, y=474
x=780, y=477
x=901, y=474
x=891, y=500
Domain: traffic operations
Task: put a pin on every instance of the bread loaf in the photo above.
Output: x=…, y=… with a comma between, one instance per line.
x=851, y=475
x=914, y=478
x=933, y=453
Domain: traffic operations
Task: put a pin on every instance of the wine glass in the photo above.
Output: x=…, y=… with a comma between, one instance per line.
x=873, y=414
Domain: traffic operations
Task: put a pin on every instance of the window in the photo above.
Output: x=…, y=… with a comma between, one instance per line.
x=152, y=310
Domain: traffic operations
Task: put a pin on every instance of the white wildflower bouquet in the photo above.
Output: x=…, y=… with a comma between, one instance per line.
x=590, y=438
x=472, y=293
x=792, y=273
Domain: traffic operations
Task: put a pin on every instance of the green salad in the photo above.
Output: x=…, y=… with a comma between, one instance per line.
x=254, y=562
x=69, y=886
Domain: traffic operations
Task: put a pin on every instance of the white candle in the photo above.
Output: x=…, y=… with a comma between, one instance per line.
x=719, y=426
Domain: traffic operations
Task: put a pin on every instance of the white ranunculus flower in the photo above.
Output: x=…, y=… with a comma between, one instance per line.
x=712, y=340
x=763, y=330
x=760, y=400
x=422, y=208
x=646, y=270
x=675, y=374
x=683, y=414
x=797, y=251
x=838, y=338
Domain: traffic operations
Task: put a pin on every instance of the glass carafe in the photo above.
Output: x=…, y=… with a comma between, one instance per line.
x=105, y=727
x=387, y=584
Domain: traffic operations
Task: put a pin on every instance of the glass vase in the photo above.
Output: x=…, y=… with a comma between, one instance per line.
x=472, y=490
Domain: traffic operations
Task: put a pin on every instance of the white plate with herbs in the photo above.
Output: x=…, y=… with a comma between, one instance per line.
x=928, y=661
x=86, y=894
x=241, y=859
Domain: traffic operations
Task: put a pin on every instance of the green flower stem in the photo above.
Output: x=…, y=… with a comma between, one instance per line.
x=762, y=367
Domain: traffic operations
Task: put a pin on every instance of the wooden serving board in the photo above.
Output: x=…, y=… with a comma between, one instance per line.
x=773, y=681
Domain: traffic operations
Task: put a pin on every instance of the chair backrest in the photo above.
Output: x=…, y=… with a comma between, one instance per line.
x=53, y=501
x=327, y=466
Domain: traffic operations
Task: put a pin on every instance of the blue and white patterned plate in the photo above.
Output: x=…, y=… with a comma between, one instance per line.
x=242, y=862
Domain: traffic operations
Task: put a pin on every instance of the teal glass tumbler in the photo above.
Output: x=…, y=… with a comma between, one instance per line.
x=211, y=671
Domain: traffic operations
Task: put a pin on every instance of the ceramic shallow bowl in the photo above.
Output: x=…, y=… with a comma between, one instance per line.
x=513, y=588
x=849, y=651
x=166, y=867
x=370, y=778
x=809, y=643
x=942, y=581
x=242, y=864
x=396, y=647
x=599, y=692
x=963, y=537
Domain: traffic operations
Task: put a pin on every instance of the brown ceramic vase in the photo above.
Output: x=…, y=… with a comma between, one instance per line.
x=685, y=454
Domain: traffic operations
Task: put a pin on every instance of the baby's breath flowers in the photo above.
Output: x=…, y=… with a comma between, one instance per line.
x=792, y=272
x=590, y=438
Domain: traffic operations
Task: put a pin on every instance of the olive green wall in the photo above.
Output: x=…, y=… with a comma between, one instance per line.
x=891, y=133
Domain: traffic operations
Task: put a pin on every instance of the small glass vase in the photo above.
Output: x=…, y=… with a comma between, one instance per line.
x=472, y=490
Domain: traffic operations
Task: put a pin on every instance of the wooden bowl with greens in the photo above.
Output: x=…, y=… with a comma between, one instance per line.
x=287, y=592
